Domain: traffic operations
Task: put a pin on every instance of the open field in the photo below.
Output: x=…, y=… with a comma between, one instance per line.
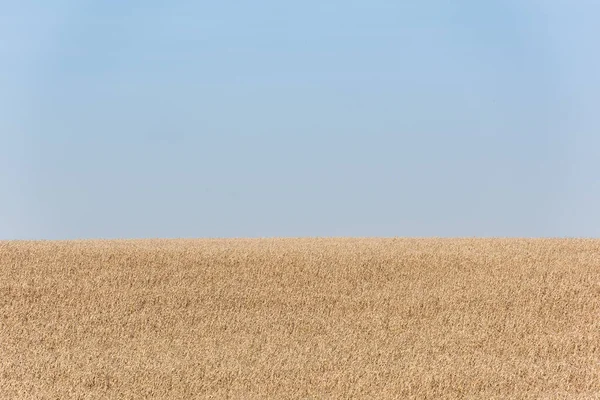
x=300, y=318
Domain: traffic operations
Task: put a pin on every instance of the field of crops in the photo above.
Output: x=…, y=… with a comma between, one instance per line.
x=300, y=318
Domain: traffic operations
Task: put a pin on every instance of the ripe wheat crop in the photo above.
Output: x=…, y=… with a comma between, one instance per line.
x=300, y=318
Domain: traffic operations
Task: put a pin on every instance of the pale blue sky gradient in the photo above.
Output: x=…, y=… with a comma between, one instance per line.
x=314, y=118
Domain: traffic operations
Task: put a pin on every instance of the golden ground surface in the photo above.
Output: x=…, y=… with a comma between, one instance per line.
x=300, y=318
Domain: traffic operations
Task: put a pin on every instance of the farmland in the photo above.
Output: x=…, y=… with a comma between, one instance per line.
x=300, y=318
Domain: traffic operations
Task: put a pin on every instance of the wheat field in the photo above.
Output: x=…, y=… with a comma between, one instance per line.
x=300, y=319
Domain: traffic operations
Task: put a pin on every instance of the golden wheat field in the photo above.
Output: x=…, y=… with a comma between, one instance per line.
x=300, y=318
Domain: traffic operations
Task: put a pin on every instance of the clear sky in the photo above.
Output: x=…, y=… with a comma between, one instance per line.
x=309, y=118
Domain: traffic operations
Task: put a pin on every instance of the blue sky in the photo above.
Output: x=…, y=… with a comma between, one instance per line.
x=315, y=118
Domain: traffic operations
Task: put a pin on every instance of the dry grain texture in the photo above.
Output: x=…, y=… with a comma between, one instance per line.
x=300, y=318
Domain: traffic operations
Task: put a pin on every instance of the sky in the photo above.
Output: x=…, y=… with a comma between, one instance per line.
x=144, y=119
